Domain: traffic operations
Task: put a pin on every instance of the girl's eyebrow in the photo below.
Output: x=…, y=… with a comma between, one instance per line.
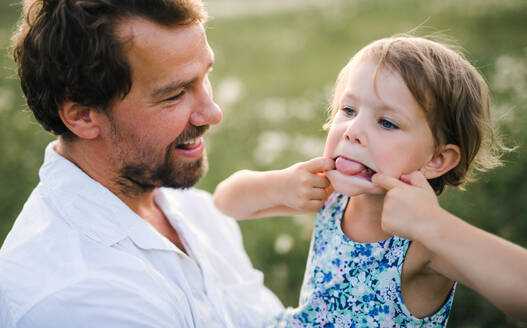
x=384, y=107
x=347, y=96
x=389, y=108
x=395, y=110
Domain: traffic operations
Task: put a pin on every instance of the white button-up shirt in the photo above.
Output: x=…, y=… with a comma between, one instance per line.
x=77, y=256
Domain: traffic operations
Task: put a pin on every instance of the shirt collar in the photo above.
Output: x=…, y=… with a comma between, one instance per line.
x=90, y=208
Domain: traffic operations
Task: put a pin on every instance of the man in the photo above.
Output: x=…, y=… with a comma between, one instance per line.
x=110, y=237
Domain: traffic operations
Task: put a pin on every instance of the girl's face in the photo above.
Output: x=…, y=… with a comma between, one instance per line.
x=378, y=127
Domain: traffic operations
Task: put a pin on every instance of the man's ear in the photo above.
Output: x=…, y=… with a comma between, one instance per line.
x=79, y=119
x=443, y=161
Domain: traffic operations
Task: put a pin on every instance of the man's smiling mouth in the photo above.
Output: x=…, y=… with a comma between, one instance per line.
x=189, y=144
x=350, y=167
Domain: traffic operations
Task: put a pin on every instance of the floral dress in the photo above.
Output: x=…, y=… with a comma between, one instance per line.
x=351, y=284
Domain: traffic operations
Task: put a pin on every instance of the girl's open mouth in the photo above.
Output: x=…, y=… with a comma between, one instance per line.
x=350, y=167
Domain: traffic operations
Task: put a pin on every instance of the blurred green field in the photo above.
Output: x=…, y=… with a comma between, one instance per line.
x=273, y=77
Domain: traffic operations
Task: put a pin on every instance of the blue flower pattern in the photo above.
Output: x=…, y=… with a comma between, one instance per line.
x=350, y=284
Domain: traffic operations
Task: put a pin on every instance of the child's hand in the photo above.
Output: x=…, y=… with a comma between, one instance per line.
x=408, y=203
x=304, y=186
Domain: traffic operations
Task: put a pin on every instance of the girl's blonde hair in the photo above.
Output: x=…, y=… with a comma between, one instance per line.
x=454, y=96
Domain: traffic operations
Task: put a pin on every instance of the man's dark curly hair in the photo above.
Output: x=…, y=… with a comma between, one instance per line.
x=67, y=50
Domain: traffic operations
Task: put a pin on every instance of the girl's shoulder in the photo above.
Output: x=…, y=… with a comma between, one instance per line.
x=334, y=205
x=330, y=214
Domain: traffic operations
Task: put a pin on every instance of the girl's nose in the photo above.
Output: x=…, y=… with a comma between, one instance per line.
x=355, y=133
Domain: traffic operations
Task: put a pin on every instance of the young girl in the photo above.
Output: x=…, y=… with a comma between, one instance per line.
x=378, y=258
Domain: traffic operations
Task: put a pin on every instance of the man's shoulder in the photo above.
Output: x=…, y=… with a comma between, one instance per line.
x=36, y=220
x=50, y=274
x=104, y=299
x=42, y=255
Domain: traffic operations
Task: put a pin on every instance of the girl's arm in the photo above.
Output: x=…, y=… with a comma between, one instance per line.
x=492, y=266
x=300, y=188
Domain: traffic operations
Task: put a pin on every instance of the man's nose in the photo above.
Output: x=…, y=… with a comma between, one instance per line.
x=206, y=111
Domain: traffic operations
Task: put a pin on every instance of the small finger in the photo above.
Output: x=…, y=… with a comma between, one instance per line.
x=318, y=194
x=417, y=179
x=320, y=181
x=385, y=181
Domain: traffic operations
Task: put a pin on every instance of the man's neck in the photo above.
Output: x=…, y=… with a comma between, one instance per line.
x=145, y=206
x=156, y=217
x=88, y=156
x=93, y=161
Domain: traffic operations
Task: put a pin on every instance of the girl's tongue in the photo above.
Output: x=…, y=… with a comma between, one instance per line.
x=347, y=166
x=350, y=167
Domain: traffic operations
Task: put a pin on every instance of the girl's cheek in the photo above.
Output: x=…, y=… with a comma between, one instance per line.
x=329, y=148
x=327, y=153
x=331, y=142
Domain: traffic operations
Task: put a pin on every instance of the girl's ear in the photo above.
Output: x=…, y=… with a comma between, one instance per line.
x=443, y=161
x=79, y=119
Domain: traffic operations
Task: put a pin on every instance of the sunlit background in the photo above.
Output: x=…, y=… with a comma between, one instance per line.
x=276, y=62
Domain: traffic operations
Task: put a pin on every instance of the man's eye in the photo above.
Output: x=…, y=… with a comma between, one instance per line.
x=348, y=111
x=176, y=97
x=387, y=124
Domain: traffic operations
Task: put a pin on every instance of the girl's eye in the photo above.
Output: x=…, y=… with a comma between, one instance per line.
x=388, y=125
x=348, y=111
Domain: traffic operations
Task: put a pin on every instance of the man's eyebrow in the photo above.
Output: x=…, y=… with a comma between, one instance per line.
x=168, y=88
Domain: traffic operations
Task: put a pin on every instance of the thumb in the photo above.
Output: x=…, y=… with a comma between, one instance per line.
x=417, y=179
x=386, y=182
x=320, y=164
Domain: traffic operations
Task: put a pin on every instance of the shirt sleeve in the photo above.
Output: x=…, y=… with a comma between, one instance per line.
x=102, y=303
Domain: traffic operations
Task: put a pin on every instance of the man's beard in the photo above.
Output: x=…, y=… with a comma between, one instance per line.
x=172, y=174
x=142, y=174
